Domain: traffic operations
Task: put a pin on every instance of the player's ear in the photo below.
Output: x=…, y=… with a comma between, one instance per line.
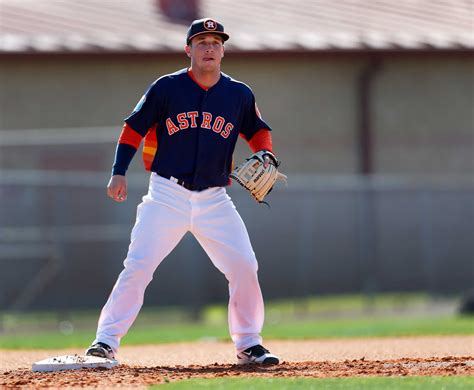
x=187, y=49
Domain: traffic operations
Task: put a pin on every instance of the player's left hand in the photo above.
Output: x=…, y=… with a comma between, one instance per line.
x=266, y=161
x=269, y=158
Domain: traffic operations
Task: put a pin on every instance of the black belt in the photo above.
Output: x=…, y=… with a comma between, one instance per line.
x=190, y=187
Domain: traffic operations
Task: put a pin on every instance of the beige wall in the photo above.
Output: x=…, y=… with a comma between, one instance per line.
x=311, y=106
x=423, y=116
x=422, y=106
x=68, y=92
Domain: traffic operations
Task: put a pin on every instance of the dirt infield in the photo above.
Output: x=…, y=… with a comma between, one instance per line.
x=144, y=365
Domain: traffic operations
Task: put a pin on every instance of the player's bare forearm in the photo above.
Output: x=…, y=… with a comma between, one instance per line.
x=117, y=188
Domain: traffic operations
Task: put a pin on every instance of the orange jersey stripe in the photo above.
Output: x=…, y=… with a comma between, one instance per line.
x=261, y=140
x=150, y=147
x=130, y=137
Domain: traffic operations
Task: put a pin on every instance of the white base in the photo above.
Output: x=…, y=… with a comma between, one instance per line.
x=72, y=362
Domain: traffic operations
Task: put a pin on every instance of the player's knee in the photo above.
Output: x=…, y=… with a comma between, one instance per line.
x=242, y=267
x=249, y=264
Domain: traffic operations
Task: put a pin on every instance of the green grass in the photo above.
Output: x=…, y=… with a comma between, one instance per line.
x=365, y=383
x=371, y=327
x=308, y=318
x=310, y=329
x=351, y=304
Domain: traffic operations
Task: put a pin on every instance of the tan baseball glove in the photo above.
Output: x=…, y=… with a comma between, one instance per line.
x=255, y=177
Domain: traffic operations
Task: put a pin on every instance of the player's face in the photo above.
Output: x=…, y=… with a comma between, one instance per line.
x=206, y=52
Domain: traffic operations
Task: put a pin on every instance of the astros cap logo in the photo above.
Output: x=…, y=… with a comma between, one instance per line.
x=205, y=26
x=210, y=25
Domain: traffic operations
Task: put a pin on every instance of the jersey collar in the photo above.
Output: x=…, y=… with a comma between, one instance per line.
x=191, y=75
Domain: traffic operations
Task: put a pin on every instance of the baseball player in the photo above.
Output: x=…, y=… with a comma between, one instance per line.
x=190, y=121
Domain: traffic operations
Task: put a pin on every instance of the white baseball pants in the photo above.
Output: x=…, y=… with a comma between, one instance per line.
x=167, y=212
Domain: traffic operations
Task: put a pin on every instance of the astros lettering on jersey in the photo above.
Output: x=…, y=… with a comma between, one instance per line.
x=191, y=131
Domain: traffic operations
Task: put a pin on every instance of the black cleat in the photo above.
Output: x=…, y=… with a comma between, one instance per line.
x=100, y=350
x=257, y=355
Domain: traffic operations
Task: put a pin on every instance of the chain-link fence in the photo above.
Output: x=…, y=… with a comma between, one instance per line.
x=62, y=241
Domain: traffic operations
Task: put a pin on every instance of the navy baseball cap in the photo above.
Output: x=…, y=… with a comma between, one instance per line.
x=206, y=26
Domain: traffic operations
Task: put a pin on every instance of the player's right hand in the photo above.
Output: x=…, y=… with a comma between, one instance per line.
x=117, y=188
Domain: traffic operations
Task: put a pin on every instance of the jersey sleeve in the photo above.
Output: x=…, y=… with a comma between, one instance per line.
x=144, y=116
x=253, y=121
x=127, y=145
x=146, y=112
x=123, y=157
x=262, y=140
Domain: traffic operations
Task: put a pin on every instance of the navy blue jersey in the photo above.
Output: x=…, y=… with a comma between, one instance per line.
x=193, y=131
